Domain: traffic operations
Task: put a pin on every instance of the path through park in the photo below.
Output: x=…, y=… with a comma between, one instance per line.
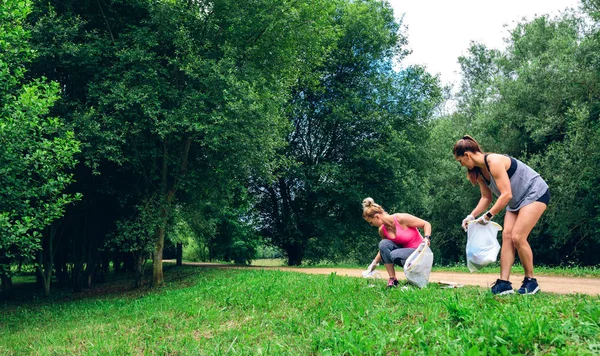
x=553, y=284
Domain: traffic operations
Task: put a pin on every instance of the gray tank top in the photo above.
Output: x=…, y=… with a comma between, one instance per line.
x=527, y=185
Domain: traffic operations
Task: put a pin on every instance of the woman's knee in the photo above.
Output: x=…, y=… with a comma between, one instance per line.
x=385, y=249
x=507, y=236
x=400, y=256
x=518, y=239
x=386, y=245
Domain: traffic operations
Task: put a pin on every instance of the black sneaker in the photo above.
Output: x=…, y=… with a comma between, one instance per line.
x=502, y=287
x=529, y=286
x=392, y=282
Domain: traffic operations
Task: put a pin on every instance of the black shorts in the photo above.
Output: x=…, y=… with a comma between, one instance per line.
x=545, y=198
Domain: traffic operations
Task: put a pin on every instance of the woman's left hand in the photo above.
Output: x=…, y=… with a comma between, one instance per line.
x=483, y=220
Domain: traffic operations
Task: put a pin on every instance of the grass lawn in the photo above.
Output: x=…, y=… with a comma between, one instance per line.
x=574, y=271
x=249, y=312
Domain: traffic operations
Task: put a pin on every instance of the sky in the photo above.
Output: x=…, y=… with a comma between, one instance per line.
x=440, y=31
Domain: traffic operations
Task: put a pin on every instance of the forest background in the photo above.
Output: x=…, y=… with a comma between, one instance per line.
x=132, y=129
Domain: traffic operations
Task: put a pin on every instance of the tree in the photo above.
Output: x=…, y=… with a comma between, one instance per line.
x=538, y=101
x=37, y=151
x=357, y=124
x=178, y=94
x=131, y=236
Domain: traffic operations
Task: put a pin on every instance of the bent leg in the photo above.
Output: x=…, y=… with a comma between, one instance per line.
x=400, y=255
x=386, y=247
x=507, y=254
x=526, y=219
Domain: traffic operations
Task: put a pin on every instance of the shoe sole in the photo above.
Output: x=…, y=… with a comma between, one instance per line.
x=537, y=289
x=506, y=292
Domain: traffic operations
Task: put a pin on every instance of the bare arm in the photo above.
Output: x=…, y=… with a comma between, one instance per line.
x=498, y=170
x=486, y=198
x=377, y=258
x=413, y=221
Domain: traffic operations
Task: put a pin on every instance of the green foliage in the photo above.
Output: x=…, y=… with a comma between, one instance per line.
x=205, y=311
x=537, y=101
x=357, y=132
x=135, y=233
x=37, y=151
x=223, y=121
x=592, y=7
x=235, y=239
x=184, y=98
x=448, y=195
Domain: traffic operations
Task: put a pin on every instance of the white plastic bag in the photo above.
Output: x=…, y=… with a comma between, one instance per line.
x=482, y=245
x=418, y=265
x=371, y=274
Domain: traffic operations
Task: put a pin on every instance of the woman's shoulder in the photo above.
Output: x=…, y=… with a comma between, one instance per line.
x=400, y=217
x=497, y=158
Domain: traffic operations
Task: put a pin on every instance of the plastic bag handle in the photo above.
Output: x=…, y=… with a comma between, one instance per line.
x=412, y=263
x=491, y=222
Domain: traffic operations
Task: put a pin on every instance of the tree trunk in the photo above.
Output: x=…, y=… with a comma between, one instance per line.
x=295, y=254
x=157, y=270
x=179, y=254
x=60, y=267
x=39, y=277
x=47, y=281
x=7, y=290
x=91, y=267
x=62, y=273
x=76, y=276
x=167, y=194
x=117, y=263
x=139, y=269
x=79, y=254
x=46, y=259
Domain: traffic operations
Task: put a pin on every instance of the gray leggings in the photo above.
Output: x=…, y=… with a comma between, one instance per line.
x=393, y=253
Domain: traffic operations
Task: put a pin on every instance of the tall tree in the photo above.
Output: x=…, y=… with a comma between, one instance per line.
x=178, y=93
x=37, y=151
x=356, y=131
x=538, y=100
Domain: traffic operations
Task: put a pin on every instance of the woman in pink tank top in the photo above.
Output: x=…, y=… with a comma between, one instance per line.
x=400, y=236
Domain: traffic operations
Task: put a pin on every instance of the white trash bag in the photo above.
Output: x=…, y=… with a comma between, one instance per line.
x=482, y=245
x=371, y=274
x=418, y=265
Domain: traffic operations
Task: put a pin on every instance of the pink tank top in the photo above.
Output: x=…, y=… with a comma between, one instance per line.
x=407, y=238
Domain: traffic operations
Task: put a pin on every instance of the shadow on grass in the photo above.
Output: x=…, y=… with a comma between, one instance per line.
x=27, y=292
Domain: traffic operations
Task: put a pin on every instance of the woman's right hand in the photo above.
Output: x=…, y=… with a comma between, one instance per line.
x=372, y=265
x=465, y=222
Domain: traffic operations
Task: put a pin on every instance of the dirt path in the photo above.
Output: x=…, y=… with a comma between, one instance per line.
x=560, y=285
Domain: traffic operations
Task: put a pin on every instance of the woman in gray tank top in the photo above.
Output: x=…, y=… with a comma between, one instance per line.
x=524, y=194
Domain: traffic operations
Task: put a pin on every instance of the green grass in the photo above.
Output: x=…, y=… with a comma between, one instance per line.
x=248, y=312
x=589, y=272
x=573, y=271
x=269, y=262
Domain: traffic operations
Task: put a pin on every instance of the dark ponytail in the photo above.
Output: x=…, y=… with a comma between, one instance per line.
x=468, y=144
